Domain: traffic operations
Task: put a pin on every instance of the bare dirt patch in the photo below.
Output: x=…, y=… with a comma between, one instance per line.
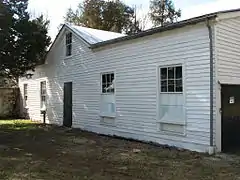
x=33, y=151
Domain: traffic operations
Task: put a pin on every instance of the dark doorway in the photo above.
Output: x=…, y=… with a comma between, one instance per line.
x=230, y=96
x=67, y=105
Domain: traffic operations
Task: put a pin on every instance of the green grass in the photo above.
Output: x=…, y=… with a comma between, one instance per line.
x=17, y=124
x=33, y=151
x=14, y=122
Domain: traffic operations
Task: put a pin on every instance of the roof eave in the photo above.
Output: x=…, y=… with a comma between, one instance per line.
x=156, y=30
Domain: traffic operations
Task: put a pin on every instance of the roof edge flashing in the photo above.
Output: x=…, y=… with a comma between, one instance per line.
x=152, y=31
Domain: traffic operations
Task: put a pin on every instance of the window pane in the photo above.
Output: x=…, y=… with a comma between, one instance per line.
x=25, y=89
x=109, y=87
x=43, y=99
x=163, y=83
x=68, y=38
x=69, y=50
x=178, y=72
x=41, y=85
x=108, y=78
x=163, y=86
x=43, y=89
x=179, y=89
x=179, y=82
x=103, y=88
x=112, y=77
x=171, y=86
x=179, y=85
x=163, y=73
x=44, y=85
x=104, y=79
x=171, y=73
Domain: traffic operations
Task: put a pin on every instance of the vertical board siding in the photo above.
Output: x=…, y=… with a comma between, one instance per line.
x=135, y=64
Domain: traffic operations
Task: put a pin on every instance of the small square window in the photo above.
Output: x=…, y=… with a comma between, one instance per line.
x=171, y=79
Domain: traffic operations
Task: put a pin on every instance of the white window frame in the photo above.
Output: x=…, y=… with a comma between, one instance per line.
x=43, y=102
x=108, y=114
x=167, y=79
x=158, y=83
x=113, y=83
x=68, y=44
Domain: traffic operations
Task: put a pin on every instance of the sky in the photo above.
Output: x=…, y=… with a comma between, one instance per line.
x=55, y=10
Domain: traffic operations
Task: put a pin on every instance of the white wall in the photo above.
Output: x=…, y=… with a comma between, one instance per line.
x=228, y=50
x=135, y=64
x=227, y=41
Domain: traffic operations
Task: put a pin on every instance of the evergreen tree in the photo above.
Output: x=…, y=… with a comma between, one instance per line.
x=23, y=42
x=163, y=12
x=105, y=15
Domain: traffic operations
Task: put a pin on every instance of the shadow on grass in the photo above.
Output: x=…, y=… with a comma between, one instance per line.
x=26, y=147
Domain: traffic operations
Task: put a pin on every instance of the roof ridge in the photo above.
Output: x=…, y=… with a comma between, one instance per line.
x=93, y=36
x=96, y=29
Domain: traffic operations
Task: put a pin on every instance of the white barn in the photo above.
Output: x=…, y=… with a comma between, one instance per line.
x=162, y=85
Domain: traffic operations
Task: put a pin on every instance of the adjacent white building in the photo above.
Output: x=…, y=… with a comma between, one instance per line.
x=162, y=85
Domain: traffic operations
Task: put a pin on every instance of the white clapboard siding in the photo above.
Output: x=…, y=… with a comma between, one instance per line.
x=135, y=64
x=228, y=50
x=227, y=41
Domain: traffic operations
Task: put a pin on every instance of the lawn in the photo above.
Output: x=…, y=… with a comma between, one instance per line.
x=33, y=151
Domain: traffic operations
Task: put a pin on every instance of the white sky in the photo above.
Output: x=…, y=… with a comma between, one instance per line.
x=55, y=10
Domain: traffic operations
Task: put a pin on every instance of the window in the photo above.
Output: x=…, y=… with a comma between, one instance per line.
x=107, y=106
x=68, y=44
x=25, y=92
x=43, y=93
x=108, y=83
x=171, y=79
x=171, y=109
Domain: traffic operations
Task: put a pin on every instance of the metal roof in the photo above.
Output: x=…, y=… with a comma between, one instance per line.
x=179, y=24
x=93, y=36
x=97, y=38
